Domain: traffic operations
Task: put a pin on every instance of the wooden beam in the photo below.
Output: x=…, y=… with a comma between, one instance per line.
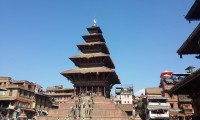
x=79, y=77
x=107, y=76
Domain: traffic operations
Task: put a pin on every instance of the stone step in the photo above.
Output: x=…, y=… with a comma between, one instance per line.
x=104, y=112
x=110, y=118
x=58, y=112
x=103, y=109
x=104, y=106
x=66, y=106
x=102, y=99
x=50, y=118
x=93, y=118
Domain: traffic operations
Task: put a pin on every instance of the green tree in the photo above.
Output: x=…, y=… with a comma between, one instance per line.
x=140, y=109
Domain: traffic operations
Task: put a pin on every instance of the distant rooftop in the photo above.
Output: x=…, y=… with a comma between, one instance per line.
x=1, y=77
x=153, y=91
x=21, y=81
x=56, y=87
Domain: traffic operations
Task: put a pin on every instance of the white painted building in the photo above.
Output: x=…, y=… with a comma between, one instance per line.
x=124, y=95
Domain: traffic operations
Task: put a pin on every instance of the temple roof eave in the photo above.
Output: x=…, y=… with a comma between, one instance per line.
x=93, y=28
x=90, y=55
x=88, y=70
x=192, y=40
x=97, y=70
x=194, y=12
x=86, y=37
x=89, y=65
x=90, y=44
x=108, y=61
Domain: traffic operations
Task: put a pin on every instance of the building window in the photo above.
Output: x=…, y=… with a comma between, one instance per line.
x=127, y=96
x=124, y=101
x=31, y=94
x=172, y=105
x=29, y=105
x=21, y=93
x=24, y=105
x=29, y=87
x=11, y=92
x=28, y=95
x=39, y=99
x=19, y=105
x=25, y=93
x=127, y=101
x=4, y=93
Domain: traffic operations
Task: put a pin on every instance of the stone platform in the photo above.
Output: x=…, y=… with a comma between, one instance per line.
x=86, y=108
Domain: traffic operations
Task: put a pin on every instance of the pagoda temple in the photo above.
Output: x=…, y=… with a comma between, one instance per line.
x=95, y=73
x=93, y=79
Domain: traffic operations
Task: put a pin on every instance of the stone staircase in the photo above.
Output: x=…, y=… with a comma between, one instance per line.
x=86, y=108
x=61, y=113
x=105, y=109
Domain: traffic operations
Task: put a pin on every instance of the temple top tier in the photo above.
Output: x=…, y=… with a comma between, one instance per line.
x=95, y=37
x=94, y=30
x=93, y=47
x=95, y=34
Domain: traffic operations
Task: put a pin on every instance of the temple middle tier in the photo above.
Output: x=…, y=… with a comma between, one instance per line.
x=93, y=47
x=97, y=37
x=92, y=60
x=92, y=74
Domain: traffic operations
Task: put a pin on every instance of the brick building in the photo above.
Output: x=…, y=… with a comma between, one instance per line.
x=20, y=96
x=60, y=94
x=180, y=105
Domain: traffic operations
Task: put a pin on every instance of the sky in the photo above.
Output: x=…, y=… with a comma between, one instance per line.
x=38, y=36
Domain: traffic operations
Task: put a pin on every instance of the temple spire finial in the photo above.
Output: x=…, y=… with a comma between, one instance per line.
x=95, y=22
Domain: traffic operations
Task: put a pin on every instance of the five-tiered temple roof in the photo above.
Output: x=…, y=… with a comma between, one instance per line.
x=95, y=70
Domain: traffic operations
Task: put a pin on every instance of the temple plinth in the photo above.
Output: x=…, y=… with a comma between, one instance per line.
x=95, y=73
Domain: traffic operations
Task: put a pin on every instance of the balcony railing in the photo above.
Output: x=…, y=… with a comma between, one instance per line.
x=7, y=98
x=14, y=85
x=188, y=110
x=59, y=94
x=158, y=104
x=168, y=87
x=184, y=98
x=153, y=116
